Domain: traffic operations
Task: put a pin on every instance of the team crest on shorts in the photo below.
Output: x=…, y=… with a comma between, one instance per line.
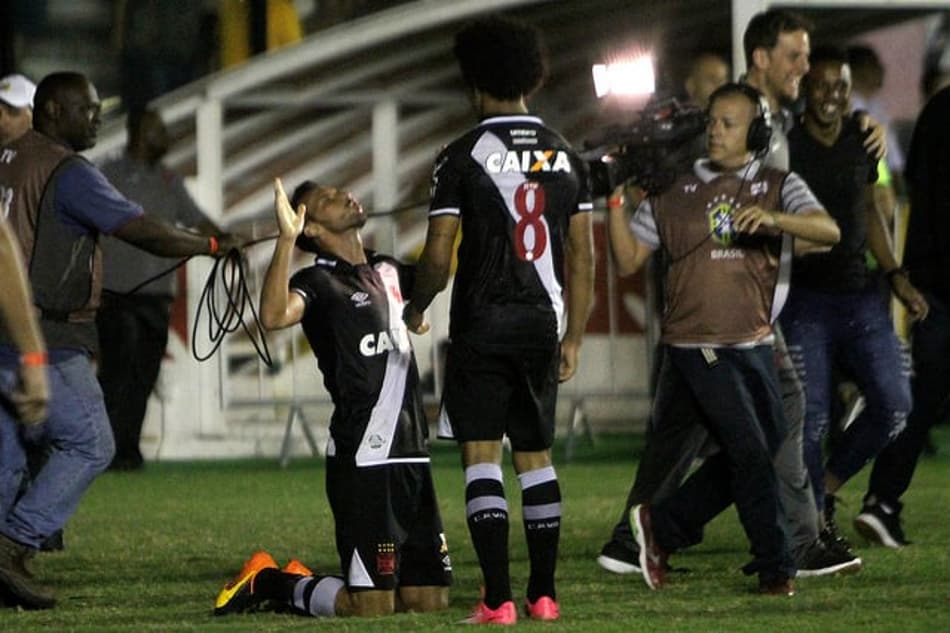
x=385, y=559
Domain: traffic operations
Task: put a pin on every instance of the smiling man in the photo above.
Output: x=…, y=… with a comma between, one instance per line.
x=835, y=315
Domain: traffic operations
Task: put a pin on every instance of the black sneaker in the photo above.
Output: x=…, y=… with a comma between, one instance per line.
x=830, y=535
x=820, y=560
x=881, y=524
x=620, y=558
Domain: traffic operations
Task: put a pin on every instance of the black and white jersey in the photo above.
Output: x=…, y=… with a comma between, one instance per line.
x=353, y=321
x=515, y=184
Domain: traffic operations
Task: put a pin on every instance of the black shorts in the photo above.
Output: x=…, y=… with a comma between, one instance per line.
x=388, y=527
x=491, y=393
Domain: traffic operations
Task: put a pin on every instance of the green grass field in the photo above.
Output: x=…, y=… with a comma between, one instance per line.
x=149, y=551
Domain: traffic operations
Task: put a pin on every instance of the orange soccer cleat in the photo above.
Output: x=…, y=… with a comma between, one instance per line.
x=238, y=594
x=296, y=568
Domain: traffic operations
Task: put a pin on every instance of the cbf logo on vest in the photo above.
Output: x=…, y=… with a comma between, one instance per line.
x=720, y=212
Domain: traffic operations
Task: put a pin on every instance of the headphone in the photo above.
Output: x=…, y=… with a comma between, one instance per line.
x=760, y=129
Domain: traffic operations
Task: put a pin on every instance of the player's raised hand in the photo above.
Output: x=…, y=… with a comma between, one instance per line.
x=289, y=222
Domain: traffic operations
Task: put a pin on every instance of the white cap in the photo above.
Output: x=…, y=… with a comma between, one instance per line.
x=17, y=91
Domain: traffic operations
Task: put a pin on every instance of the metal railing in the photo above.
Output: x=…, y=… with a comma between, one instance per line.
x=289, y=113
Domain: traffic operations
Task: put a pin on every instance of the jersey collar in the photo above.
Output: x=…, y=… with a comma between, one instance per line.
x=511, y=118
x=326, y=260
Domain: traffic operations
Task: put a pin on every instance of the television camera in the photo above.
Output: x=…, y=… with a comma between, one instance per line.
x=649, y=152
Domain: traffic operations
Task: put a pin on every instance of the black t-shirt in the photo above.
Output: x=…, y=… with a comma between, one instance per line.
x=515, y=184
x=838, y=176
x=353, y=321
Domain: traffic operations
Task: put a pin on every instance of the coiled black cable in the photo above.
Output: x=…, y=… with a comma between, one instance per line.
x=230, y=274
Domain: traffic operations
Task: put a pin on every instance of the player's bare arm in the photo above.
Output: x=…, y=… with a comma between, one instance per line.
x=580, y=290
x=432, y=272
x=31, y=395
x=280, y=307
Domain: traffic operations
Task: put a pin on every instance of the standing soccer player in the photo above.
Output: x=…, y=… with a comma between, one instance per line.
x=521, y=197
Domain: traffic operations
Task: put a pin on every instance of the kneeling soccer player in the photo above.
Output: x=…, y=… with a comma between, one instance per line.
x=388, y=529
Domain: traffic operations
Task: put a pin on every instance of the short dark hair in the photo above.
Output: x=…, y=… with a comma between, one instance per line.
x=863, y=56
x=833, y=54
x=501, y=57
x=304, y=242
x=735, y=88
x=51, y=88
x=764, y=29
x=866, y=65
x=301, y=191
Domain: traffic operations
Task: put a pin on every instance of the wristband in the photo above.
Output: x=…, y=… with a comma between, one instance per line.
x=33, y=359
x=893, y=272
x=615, y=202
x=213, y=244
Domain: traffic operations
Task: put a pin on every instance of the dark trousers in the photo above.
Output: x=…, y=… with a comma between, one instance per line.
x=133, y=332
x=736, y=397
x=671, y=451
x=930, y=386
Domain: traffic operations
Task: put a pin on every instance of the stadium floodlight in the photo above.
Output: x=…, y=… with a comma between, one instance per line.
x=625, y=78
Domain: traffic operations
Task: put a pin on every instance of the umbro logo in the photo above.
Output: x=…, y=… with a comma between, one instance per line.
x=691, y=188
x=360, y=299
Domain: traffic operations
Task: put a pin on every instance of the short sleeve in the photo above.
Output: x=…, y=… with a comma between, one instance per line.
x=643, y=225
x=796, y=196
x=445, y=189
x=303, y=284
x=86, y=200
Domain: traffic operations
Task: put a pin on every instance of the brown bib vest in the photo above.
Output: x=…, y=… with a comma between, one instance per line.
x=64, y=265
x=720, y=284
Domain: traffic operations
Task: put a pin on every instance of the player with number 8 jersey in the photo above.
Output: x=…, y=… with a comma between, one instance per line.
x=514, y=184
x=521, y=197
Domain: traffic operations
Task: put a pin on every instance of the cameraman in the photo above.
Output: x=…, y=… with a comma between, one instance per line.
x=777, y=46
x=718, y=363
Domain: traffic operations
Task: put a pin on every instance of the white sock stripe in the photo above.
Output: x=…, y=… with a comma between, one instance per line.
x=480, y=504
x=483, y=471
x=537, y=477
x=323, y=598
x=539, y=512
x=299, y=589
